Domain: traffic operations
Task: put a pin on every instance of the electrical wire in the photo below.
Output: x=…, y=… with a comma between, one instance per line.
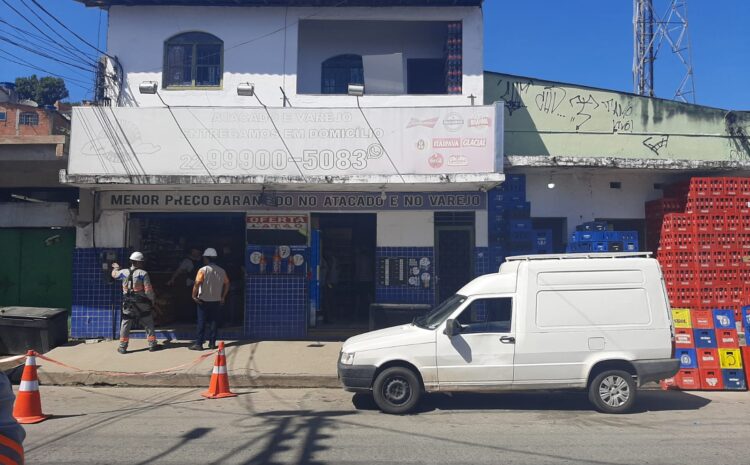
x=31, y=23
x=283, y=141
x=375, y=135
x=28, y=65
x=42, y=54
x=70, y=30
x=182, y=131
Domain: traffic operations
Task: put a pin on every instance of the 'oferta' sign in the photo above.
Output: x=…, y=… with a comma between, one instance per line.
x=287, y=201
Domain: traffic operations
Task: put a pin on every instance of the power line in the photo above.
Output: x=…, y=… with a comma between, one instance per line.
x=71, y=81
x=82, y=54
x=54, y=41
x=70, y=30
x=49, y=57
x=375, y=135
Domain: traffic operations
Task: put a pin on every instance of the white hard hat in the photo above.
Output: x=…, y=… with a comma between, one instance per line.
x=210, y=252
x=137, y=257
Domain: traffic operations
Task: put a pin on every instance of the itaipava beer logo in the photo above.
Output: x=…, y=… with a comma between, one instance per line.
x=436, y=161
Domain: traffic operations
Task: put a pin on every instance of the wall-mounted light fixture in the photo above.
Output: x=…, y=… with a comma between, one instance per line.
x=356, y=90
x=246, y=89
x=148, y=87
x=550, y=184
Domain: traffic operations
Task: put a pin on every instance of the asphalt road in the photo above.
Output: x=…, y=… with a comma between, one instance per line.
x=328, y=426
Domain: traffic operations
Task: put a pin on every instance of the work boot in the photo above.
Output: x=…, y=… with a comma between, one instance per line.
x=196, y=347
x=122, y=350
x=153, y=348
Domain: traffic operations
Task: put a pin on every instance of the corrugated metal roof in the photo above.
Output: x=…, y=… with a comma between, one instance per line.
x=329, y=3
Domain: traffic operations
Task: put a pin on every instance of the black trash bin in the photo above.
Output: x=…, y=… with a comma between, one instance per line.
x=32, y=328
x=385, y=315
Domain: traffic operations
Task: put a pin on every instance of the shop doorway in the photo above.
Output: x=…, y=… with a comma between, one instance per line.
x=347, y=269
x=454, y=252
x=167, y=240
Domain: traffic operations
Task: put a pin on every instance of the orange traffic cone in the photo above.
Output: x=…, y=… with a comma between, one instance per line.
x=28, y=407
x=219, y=386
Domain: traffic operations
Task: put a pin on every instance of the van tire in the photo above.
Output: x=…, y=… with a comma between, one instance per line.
x=397, y=390
x=613, y=391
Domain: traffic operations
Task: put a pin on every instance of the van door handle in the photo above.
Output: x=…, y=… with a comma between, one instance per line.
x=508, y=340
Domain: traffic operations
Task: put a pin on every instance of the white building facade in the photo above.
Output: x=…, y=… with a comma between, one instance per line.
x=336, y=153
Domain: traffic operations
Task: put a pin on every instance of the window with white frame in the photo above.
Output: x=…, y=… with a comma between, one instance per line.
x=193, y=60
x=28, y=119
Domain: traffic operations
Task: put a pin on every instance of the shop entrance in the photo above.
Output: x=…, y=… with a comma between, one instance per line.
x=167, y=240
x=347, y=269
x=454, y=251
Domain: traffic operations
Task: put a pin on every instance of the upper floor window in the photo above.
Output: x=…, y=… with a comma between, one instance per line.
x=3, y=115
x=28, y=119
x=193, y=59
x=340, y=71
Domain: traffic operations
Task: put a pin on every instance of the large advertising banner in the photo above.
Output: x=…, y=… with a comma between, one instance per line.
x=214, y=141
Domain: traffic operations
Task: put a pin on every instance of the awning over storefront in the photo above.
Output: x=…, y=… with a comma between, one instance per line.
x=448, y=148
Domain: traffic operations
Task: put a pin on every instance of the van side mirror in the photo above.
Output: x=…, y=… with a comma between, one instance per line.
x=451, y=328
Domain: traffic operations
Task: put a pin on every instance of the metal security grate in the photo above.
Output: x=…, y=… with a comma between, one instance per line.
x=454, y=219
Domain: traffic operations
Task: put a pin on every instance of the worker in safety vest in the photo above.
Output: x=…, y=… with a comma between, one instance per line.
x=137, y=302
x=11, y=433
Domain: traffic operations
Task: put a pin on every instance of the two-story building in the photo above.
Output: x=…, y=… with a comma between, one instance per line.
x=336, y=153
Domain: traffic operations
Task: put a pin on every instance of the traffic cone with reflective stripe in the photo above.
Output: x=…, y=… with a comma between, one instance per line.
x=28, y=406
x=219, y=386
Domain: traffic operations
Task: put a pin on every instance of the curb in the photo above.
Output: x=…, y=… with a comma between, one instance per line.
x=189, y=380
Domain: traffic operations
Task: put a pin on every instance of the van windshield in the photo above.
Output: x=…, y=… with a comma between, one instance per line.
x=440, y=313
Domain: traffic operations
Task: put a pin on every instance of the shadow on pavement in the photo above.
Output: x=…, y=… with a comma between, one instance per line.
x=647, y=401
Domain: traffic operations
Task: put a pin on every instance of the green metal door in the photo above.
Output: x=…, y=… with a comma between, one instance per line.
x=46, y=267
x=10, y=277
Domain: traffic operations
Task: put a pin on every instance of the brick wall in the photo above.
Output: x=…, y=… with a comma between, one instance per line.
x=50, y=122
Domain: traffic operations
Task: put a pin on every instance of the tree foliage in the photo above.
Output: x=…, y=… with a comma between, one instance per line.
x=44, y=91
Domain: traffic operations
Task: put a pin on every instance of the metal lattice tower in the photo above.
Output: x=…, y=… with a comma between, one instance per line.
x=650, y=32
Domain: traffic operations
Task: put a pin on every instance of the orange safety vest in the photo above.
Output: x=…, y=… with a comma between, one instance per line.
x=11, y=452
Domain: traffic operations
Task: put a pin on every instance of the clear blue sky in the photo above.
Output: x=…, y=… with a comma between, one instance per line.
x=586, y=42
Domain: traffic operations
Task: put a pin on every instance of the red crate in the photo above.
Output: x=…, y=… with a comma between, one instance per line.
x=705, y=187
x=727, y=339
x=700, y=205
x=742, y=240
x=688, y=379
x=702, y=319
x=708, y=358
x=678, y=190
x=737, y=186
x=727, y=276
x=660, y=207
x=744, y=221
x=745, y=358
x=701, y=221
x=711, y=379
x=668, y=384
x=723, y=240
x=674, y=222
x=683, y=296
x=683, y=338
x=732, y=221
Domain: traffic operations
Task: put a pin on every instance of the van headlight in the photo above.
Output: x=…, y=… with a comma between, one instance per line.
x=347, y=358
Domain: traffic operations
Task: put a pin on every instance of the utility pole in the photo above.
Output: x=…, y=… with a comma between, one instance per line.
x=650, y=31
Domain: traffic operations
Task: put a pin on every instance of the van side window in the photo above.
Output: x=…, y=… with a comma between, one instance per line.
x=490, y=315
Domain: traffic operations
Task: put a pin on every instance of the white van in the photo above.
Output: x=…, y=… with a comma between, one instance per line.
x=600, y=322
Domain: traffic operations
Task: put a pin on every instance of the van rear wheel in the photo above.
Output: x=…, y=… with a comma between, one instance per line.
x=613, y=391
x=397, y=390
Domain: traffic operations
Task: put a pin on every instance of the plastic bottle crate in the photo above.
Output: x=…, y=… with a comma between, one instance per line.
x=737, y=186
x=702, y=319
x=514, y=180
x=683, y=338
x=678, y=222
x=723, y=318
x=687, y=358
x=746, y=319
x=734, y=380
x=706, y=187
x=579, y=247
x=730, y=359
x=503, y=197
x=688, y=379
x=660, y=207
x=588, y=236
x=727, y=338
x=704, y=338
x=711, y=379
x=600, y=247
x=708, y=358
x=517, y=225
x=681, y=318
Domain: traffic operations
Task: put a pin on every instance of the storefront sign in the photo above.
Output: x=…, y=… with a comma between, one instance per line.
x=279, y=222
x=298, y=142
x=290, y=201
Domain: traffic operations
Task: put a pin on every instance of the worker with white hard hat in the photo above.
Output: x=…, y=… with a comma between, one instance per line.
x=137, y=302
x=209, y=293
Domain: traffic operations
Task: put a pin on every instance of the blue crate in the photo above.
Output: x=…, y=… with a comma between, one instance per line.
x=519, y=224
x=543, y=237
x=510, y=210
x=514, y=181
x=631, y=246
x=705, y=338
x=724, y=319
x=579, y=247
x=500, y=197
x=687, y=357
x=600, y=247
x=583, y=236
x=520, y=236
x=746, y=319
x=621, y=236
x=615, y=246
x=734, y=380
x=520, y=248
x=593, y=226
x=542, y=249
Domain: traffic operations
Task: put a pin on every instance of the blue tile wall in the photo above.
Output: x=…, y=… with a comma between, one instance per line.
x=406, y=294
x=276, y=307
x=96, y=301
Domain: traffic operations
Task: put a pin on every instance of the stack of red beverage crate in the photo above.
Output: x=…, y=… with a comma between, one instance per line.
x=704, y=253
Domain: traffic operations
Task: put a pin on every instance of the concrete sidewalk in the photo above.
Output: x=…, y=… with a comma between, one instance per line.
x=285, y=364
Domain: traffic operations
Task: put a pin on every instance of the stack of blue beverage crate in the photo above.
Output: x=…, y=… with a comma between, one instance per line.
x=596, y=236
x=510, y=228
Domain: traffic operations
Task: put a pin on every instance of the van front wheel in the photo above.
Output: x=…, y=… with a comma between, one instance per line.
x=613, y=391
x=396, y=390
